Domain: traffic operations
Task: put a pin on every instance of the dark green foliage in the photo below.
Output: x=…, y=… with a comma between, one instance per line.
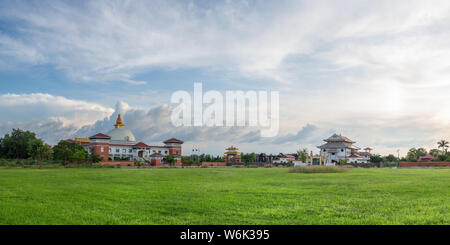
x=248, y=157
x=411, y=156
x=95, y=158
x=15, y=145
x=435, y=152
x=69, y=152
x=390, y=158
x=39, y=151
x=376, y=159
x=169, y=160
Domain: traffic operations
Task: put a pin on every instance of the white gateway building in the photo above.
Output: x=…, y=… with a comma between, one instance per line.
x=338, y=147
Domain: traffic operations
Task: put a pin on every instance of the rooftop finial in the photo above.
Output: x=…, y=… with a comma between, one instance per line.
x=119, y=123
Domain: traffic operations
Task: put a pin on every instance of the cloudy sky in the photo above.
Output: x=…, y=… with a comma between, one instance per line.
x=375, y=71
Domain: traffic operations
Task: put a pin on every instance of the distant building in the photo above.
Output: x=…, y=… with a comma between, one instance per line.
x=338, y=147
x=284, y=158
x=426, y=158
x=120, y=143
x=232, y=155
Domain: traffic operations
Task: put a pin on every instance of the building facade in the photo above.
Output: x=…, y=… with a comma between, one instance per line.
x=120, y=144
x=340, y=148
x=232, y=155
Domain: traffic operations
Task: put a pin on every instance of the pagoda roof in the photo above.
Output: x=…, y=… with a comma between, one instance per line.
x=336, y=145
x=173, y=140
x=100, y=136
x=338, y=138
x=232, y=148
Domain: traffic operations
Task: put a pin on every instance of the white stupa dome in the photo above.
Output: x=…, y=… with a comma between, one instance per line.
x=120, y=133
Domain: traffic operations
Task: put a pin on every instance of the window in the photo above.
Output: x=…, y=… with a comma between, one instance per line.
x=332, y=153
x=159, y=151
x=109, y=149
x=342, y=150
x=102, y=149
x=117, y=150
x=124, y=150
x=176, y=152
x=324, y=150
x=165, y=152
x=130, y=150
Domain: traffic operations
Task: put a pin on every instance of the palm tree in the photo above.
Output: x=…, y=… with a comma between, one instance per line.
x=444, y=145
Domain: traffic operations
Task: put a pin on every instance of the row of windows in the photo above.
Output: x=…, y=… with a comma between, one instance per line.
x=131, y=150
x=324, y=150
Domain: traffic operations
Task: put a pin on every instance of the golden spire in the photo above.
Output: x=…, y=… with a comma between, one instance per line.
x=119, y=123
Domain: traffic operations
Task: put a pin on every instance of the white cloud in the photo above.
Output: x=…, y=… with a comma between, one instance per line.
x=51, y=117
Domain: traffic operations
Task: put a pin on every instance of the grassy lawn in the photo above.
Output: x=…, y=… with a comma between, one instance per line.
x=223, y=196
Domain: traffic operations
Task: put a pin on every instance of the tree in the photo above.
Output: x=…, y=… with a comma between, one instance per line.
x=16, y=144
x=95, y=158
x=391, y=158
x=39, y=151
x=414, y=154
x=444, y=145
x=434, y=152
x=78, y=156
x=376, y=159
x=170, y=160
x=442, y=157
x=65, y=150
x=421, y=152
x=248, y=157
x=411, y=156
x=186, y=160
x=302, y=154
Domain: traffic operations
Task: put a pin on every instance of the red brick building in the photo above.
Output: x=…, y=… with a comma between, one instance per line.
x=120, y=144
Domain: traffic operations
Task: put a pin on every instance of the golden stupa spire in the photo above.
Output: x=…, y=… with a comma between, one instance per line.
x=119, y=123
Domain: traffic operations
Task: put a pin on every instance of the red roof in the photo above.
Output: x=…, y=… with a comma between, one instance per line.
x=173, y=140
x=100, y=136
x=426, y=157
x=156, y=154
x=70, y=140
x=142, y=145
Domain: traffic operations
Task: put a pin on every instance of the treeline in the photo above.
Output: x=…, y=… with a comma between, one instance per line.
x=25, y=145
x=197, y=159
x=439, y=154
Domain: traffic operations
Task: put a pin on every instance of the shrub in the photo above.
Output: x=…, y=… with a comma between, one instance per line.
x=317, y=169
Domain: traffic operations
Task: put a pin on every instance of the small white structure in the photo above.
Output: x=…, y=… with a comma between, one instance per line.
x=299, y=163
x=356, y=158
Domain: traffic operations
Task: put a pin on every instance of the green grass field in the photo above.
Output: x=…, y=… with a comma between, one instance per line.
x=223, y=196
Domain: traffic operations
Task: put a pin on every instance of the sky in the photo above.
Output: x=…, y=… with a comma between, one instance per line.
x=377, y=72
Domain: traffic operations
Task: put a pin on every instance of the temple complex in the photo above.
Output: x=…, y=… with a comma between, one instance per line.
x=340, y=148
x=120, y=144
